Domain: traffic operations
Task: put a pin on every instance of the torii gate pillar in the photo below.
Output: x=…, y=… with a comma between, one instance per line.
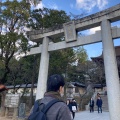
x=43, y=70
x=111, y=71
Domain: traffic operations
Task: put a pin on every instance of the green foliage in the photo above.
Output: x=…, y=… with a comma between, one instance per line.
x=54, y=18
x=13, y=18
x=36, y=21
x=15, y=13
x=77, y=71
x=22, y=71
x=76, y=75
x=45, y=18
x=60, y=61
x=81, y=55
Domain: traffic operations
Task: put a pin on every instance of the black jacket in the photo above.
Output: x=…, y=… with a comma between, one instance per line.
x=99, y=102
x=91, y=103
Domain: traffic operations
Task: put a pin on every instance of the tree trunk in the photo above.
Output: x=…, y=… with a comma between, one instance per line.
x=31, y=95
x=33, y=81
x=3, y=94
x=81, y=105
x=65, y=87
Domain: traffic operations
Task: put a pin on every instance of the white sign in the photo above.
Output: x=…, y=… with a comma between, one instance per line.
x=12, y=100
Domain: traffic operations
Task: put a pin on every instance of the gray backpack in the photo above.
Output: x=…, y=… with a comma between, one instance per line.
x=40, y=114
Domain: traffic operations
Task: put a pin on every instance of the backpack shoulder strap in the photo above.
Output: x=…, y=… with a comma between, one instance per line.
x=46, y=108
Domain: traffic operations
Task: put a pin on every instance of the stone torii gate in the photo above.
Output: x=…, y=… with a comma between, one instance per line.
x=69, y=30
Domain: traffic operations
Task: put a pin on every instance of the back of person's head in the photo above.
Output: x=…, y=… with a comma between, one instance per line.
x=54, y=82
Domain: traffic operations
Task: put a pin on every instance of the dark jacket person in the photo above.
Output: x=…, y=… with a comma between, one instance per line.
x=75, y=105
x=69, y=104
x=99, y=104
x=55, y=88
x=91, y=104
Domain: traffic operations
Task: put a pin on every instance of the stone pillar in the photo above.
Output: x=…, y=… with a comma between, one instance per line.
x=111, y=71
x=43, y=70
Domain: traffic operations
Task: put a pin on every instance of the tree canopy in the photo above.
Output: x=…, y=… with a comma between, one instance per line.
x=46, y=18
x=14, y=16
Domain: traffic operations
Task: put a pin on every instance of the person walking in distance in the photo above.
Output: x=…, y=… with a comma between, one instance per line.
x=91, y=104
x=69, y=104
x=99, y=104
x=74, y=107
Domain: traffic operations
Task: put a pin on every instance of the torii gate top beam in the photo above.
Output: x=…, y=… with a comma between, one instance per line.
x=94, y=20
x=94, y=38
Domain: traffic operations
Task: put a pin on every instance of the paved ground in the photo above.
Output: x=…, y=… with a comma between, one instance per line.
x=86, y=115
x=3, y=118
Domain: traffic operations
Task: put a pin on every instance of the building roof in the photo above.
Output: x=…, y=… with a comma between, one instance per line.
x=73, y=84
x=117, y=51
x=78, y=84
x=99, y=85
x=83, y=85
x=99, y=59
x=21, y=86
